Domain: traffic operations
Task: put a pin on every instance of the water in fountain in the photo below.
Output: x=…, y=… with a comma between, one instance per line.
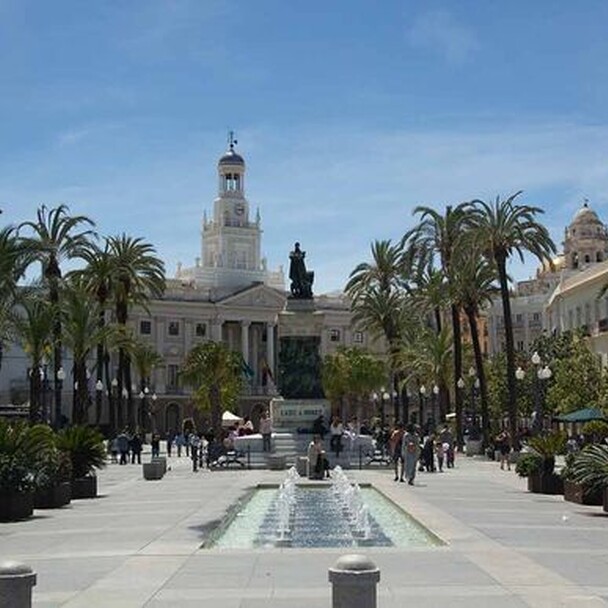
x=350, y=498
x=285, y=507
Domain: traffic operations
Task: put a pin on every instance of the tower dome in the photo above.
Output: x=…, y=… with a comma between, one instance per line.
x=231, y=158
x=586, y=239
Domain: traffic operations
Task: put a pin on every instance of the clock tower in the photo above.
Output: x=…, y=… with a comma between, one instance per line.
x=231, y=241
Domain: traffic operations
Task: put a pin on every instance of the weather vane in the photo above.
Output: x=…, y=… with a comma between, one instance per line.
x=231, y=141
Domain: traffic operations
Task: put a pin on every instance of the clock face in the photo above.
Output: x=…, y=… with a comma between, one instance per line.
x=239, y=209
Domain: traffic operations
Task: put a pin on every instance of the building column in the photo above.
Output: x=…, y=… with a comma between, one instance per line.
x=270, y=347
x=217, y=329
x=245, y=340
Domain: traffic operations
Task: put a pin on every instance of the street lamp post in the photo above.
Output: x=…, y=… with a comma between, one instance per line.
x=536, y=361
x=435, y=400
x=60, y=377
x=154, y=397
x=384, y=399
x=422, y=395
x=544, y=374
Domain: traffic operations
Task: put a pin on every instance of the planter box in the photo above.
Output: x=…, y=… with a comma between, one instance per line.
x=580, y=494
x=606, y=499
x=53, y=497
x=84, y=487
x=16, y=505
x=545, y=483
x=162, y=462
x=153, y=470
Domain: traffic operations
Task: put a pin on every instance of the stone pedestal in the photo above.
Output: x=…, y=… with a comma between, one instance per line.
x=354, y=579
x=16, y=583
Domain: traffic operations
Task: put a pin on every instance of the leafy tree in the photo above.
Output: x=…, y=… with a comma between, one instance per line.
x=577, y=379
x=349, y=376
x=216, y=375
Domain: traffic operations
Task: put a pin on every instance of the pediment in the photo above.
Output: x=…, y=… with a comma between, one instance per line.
x=257, y=296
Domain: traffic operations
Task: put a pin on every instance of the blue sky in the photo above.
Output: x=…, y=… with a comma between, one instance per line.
x=349, y=113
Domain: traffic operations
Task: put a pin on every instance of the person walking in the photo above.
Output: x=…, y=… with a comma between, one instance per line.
x=169, y=442
x=136, y=445
x=502, y=443
x=410, y=452
x=266, y=432
x=155, y=444
x=122, y=443
x=195, y=445
x=180, y=441
x=336, y=430
x=395, y=443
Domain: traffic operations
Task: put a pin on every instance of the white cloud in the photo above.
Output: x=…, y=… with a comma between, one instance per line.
x=438, y=31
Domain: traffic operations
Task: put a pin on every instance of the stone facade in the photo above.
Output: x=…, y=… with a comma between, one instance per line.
x=564, y=294
x=229, y=295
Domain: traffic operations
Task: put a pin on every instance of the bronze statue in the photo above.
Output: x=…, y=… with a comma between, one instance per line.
x=301, y=279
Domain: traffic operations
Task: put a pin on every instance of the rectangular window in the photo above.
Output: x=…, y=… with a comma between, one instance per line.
x=173, y=328
x=200, y=330
x=519, y=318
x=172, y=377
x=145, y=328
x=358, y=337
x=536, y=316
x=334, y=335
x=520, y=345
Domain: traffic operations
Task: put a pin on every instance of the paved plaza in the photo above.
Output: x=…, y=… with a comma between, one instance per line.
x=139, y=545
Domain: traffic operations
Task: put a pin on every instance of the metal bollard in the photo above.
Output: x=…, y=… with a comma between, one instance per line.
x=16, y=583
x=354, y=578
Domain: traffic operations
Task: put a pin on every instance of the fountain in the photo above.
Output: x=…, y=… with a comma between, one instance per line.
x=339, y=514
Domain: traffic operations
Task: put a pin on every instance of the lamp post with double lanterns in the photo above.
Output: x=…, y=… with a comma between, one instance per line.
x=541, y=375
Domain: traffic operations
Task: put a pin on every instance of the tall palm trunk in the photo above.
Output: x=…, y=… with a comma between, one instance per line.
x=509, y=345
x=35, y=392
x=57, y=349
x=100, y=360
x=483, y=389
x=109, y=391
x=81, y=394
x=456, y=335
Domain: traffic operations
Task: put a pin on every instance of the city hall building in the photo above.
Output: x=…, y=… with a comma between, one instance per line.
x=228, y=295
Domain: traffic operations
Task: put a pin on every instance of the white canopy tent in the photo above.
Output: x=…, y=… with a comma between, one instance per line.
x=228, y=418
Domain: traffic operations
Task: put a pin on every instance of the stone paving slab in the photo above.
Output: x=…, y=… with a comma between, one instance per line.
x=139, y=545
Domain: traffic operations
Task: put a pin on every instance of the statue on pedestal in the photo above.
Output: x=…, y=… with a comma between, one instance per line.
x=301, y=279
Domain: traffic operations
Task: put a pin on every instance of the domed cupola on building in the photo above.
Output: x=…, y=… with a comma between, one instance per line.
x=586, y=239
x=231, y=240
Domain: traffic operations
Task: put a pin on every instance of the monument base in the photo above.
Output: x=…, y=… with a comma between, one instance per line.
x=294, y=414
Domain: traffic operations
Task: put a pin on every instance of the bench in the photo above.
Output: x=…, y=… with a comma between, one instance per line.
x=232, y=457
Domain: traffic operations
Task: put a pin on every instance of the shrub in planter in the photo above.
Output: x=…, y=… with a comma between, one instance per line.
x=22, y=450
x=538, y=465
x=52, y=478
x=590, y=469
x=596, y=429
x=86, y=450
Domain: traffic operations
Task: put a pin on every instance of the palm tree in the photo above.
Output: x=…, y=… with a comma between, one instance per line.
x=428, y=358
x=146, y=359
x=439, y=234
x=216, y=374
x=12, y=265
x=82, y=334
x=96, y=278
x=56, y=236
x=502, y=228
x=137, y=275
x=473, y=288
x=34, y=327
x=375, y=290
